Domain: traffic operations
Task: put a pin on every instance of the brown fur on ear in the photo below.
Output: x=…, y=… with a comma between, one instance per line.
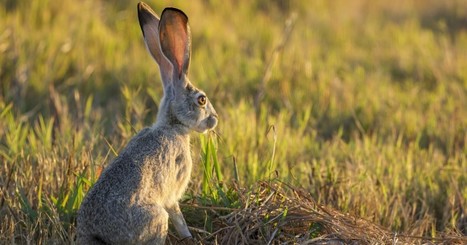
x=175, y=39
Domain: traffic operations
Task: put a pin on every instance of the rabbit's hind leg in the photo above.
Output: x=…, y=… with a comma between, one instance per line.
x=139, y=224
x=149, y=224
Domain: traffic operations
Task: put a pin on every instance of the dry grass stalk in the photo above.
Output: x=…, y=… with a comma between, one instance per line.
x=277, y=213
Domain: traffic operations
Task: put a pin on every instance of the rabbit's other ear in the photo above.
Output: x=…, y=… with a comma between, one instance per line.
x=175, y=41
x=149, y=22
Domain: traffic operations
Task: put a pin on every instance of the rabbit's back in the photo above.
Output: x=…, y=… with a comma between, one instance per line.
x=153, y=159
x=153, y=169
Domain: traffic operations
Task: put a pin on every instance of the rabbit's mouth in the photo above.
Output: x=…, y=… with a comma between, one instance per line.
x=207, y=124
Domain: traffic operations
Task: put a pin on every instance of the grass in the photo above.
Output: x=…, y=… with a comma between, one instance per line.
x=358, y=106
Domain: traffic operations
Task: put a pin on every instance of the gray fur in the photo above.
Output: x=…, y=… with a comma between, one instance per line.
x=139, y=191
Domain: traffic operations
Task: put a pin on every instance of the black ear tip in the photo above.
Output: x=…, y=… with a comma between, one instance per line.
x=142, y=6
x=174, y=10
x=145, y=14
x=141, y=13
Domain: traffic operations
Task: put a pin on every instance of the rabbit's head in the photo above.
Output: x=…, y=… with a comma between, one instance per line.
x=168, y=40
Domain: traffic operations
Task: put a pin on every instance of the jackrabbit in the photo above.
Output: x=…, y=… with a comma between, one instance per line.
x=139, y=191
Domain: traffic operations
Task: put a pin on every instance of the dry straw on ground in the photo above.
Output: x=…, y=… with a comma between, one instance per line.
x=277, y=213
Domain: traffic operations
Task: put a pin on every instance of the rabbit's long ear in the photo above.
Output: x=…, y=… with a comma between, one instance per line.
x=149, y=22
x=175, y=42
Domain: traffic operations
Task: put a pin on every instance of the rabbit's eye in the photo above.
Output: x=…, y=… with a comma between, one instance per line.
x=202, y=100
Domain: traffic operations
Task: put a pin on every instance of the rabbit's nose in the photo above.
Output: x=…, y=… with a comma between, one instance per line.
x=213, y=112
x=211, y=121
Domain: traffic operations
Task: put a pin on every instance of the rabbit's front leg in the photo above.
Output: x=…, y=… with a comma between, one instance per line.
x=177, y=219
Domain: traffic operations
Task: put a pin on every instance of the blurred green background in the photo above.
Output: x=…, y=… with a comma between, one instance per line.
x=363, y=103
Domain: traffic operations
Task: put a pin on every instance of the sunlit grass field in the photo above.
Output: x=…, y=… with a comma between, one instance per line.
x=360, y=103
